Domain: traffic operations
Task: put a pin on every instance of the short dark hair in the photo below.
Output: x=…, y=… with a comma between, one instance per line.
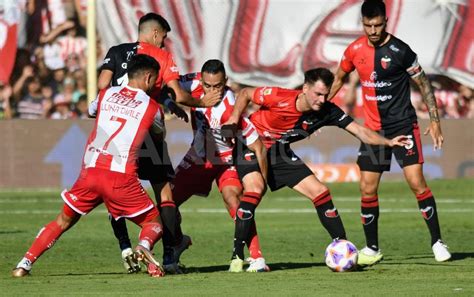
x=323, y=74
x=140, y=63
x=213, y=66
x=373, y=8
x=151, y=16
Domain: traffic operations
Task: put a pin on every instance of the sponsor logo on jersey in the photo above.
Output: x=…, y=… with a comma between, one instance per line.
x=283, y=104
x=331, y=213
x=394, y=48
x=427, y=212
x=376, y=84
x=385, y=61
x=380, y=98
x=106, y=61
x=124, y=65
x=373, y=76
x=357, y=46
x=124, y=100
x=367, y=219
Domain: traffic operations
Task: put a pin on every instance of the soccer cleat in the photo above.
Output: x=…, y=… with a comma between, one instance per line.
x=129, y=261
x=20, y=272
x=171, y=256
x=440, y=251
x=145, y=256
x=236, y=265
x=368, y=257
x=257, y=265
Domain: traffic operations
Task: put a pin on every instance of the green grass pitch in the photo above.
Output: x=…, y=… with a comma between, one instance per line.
x=86, y=260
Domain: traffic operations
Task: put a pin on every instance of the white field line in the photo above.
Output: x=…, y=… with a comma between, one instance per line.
x=260, y=211
x=439, y=200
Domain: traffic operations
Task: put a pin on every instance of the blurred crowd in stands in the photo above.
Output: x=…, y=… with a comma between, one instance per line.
x=49, y=75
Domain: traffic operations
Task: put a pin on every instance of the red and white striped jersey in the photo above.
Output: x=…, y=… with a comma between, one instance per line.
x=123, y=117
x=207, y=122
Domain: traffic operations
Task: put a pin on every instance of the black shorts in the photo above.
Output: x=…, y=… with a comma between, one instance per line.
x=154, y=163
x=285, y=168
x=377, y=158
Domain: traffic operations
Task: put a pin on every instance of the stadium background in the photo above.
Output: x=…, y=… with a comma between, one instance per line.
x=267, y=42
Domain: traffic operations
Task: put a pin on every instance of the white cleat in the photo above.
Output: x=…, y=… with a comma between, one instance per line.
x=257, y=265
x=129, y=261
x=440, y=251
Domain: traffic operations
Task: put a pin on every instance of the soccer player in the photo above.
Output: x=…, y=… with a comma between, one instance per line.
x=154, y=162
x=286, y=116
x=124, y=115
x=385, y=65
x=210, y=156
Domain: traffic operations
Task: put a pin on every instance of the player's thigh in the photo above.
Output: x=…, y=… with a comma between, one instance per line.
x=369, y=183
x=374, y=158
x=412, y=153
x=126, y=198
x=84, y=195
x=310, y=187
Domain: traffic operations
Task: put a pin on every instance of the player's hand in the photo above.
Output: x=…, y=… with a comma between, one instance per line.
x=178, y=111
x=401, y=140
x=436, y=135
x=211, y=98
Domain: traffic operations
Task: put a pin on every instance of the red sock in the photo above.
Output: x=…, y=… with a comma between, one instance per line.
x=253, y=243
x=45, y=239
x=151, y=233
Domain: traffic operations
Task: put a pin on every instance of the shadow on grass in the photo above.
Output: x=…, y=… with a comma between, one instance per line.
x=273, y=267
x=11, y=231
x=461, y=256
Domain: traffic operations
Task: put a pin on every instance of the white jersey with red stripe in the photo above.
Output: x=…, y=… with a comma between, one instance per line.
x=123, y=117
x=208, y=141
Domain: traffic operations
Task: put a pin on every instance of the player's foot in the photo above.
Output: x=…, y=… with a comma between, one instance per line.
x=369, y=257
x=257, y=265
x=145, y=256
x=236, y=265
x=129, y=262
x=171, y=256
x=440, y=251
x=20, y=272
x=22, y=269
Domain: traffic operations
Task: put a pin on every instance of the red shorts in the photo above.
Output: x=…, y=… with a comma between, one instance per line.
x=121, y=193
x=195, y=177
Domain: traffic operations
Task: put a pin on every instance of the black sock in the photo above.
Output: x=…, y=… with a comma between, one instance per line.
x=370, y=218
x=168, y=217
x=427, y=205
x=244, y=219
x=121, y=233
x=329, y=216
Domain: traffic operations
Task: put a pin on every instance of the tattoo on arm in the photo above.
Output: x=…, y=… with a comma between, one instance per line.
x=428, y=95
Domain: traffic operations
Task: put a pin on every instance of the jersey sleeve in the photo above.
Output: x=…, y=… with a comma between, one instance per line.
x=337, y=117
x=347, y=64
x=247, y=132
x=170, y=70
x=158, y=125
x=110, y=60
x=265, y=96
x=96, y=102
x=410, y=62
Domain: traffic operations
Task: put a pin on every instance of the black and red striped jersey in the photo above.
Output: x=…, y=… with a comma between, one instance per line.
x=384, y=73
x=118, y=56
x=278, y=120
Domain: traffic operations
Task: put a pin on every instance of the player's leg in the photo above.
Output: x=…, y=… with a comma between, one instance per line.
x=373, y=161
x=46, y=238
x=231, y=190
x=427, y=205
x=410, y=158
x=319, y=194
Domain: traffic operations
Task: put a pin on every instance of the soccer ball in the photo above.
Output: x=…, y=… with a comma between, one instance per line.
x=341, y=255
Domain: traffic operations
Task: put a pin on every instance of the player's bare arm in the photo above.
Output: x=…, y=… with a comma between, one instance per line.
x=185, y=98
x=261, y=153
x=370, y=137
x=242, y=100
x=105, y=77
x=338, y=82
x=430, y=100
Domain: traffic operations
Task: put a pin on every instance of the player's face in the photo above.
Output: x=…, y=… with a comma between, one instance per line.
x=374, y=28
x=213, y=82
x=316, y=94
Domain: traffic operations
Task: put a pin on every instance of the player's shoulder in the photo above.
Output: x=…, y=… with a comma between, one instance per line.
x=158, y=53
x=397, y=45
x=357, y=44
x=123, y=47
